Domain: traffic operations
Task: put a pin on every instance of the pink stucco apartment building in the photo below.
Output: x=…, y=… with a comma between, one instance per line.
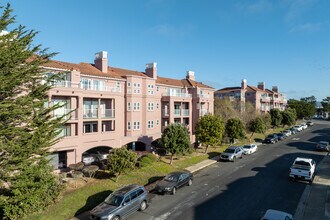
x=111, y=107
x=261, y=98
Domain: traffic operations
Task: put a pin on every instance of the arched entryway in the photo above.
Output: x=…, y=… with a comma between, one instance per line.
x=96, y=155
x=136, y=146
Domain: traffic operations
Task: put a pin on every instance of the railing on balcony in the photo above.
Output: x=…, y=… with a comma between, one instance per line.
x=203, y=112
x=183, y=95
x=90, y=113
x=69, y=84
x=265, y=99
x=177, y=112
x=206, y=96
x=69, y=114
x=107, y=113
x=185, y=112
x=166, y=112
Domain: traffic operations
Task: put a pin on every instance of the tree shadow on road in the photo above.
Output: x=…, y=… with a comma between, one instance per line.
x=93, y=201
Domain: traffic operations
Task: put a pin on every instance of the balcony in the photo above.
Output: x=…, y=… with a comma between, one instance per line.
x=185, y=112
x=265, y=99
x=203, y=112
x=69, y=114
x=90, y=113
x=181, y=95
x=165, y=112
x=107, y=113
x=69, y=84
x=177, y=112
x=205, y=96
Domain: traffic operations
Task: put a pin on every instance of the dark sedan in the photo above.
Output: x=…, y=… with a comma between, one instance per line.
x=271, y=139
x=173, y=181
x=281, y=136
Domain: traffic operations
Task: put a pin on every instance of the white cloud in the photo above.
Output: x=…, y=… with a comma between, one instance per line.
x=307, y=28
x=171, y=31
x=297, y=8
x=259, y=6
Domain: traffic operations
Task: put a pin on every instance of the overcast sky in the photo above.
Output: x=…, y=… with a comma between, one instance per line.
x=281, y=42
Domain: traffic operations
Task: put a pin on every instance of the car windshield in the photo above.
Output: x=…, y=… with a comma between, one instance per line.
x=230, y=151
x=246, y=146
x=114, y=200
x=171, y=178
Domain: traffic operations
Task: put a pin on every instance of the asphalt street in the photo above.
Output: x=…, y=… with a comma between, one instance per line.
x=244, y=189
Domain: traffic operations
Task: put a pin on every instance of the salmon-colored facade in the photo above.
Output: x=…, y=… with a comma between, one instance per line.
x=112, y=107
x=261, y=98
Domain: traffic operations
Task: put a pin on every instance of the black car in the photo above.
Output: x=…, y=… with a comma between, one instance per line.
x=173, y=181
x=271, y=139
x=281, y=136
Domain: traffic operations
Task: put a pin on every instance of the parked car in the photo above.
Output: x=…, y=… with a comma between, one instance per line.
x=281, y=136
x=272, y=214
x=323, y=145
x=173, y=181
x=87, y=159
x=271, y=139
x=310, y=123
x=298, y=127
x=249, y=148
x=303, y=169
x=232, y=153
x=121, y=203
x=287, y=132
x=294, y=130
x=100, y=153
x=304, y=126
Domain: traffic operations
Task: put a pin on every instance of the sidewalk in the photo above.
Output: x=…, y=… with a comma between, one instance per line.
x=315, y=201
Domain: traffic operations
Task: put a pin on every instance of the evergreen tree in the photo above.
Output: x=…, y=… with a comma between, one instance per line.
x=175, y=140
x=256, y=125
x=289, y=117
x=276, y=117
x=209, y=130
x=27, y=128
x=121, y=160
x=235, y=129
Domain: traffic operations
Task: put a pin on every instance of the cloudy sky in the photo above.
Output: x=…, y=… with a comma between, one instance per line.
x=281, y=42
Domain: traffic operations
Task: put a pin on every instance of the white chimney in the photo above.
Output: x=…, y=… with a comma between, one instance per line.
x=190, y=75
x=101, y=61
x=244, y=84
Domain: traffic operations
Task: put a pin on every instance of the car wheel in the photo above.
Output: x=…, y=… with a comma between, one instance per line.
x=143, y=205
x=173, y=190
x=241, y=156
x=234, y=159
x=190, y=182
x=116, y=218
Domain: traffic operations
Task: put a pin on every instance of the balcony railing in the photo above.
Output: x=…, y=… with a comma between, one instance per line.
x=69, y=114
x=165, y=112
x=265, y=99
x=107, y=113
x=203, y=112
x=183, y=95
x=69, y=84
x=90, y=113
x=177, y=112
x=185, y=112
x=206, y=96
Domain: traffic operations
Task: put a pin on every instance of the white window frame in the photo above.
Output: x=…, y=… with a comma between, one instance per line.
x=129, y=106
x=136, y=125
x=128, y=84
x=157, y=122
x=150, y=124
x=129, y=125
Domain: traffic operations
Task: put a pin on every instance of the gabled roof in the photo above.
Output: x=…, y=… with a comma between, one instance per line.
x=228, y=89
x=119, y=73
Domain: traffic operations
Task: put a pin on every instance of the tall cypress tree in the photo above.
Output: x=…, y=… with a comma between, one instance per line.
x=27, y=128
